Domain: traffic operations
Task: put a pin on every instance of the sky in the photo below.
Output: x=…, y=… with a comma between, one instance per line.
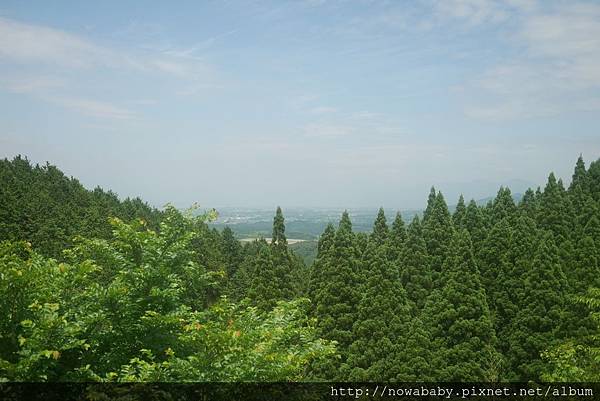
x=310, y=103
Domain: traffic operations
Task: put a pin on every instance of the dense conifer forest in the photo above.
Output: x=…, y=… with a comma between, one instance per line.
x=94, y=288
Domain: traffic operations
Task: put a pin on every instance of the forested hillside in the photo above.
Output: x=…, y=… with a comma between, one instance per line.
x=98, y=289
x=43, y=206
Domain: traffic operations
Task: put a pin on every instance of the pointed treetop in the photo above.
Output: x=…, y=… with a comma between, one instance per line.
x=437, y=212
x=380, y=228
x=551, y=181
x=396, y=237
x=415, y=272
x=593, y=179
x=441, y=202
x=474, y=222
x=459, y=212
x=431, y=200
x=326, y=239
x=504, y=195
x=579, y=173
x=528, y=197
x=437, y=233
x=278, y=236
x=503, y=205
x=432, y=194
x=345, y=223
x=415, y=225
x=398, y=232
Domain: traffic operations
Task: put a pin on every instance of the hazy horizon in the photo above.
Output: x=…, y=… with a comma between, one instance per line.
x=485, y=191
x=314, y=103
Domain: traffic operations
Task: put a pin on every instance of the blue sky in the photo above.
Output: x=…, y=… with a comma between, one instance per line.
x=304, y=103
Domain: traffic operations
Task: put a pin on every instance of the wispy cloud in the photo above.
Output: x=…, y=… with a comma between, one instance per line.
x=25, y=43
x=28, y=43
x=476, y=12
x=558, y=72
x=47, y=89
x=38, y=49
x=93, y=108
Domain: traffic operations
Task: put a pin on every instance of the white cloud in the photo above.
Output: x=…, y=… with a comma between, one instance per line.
x=572, y=35
x=48, y=89
x=474, y=12
x=93, y=108
x=38, y=49
x=559, y=72
x=30, y=43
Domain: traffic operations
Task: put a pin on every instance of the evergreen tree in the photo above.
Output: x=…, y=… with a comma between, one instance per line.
x=555, y=210
x=431, y=202
x=278, y=238
x=361, y=242
x=474, y=223
x=264, y=291
x=523, y=245
x=536, y=326
x=459, y=213
x=584, y=208
x=208, y=253
x=583, y=204
x=528, y=205
x=415, y=273
x=460, y=321
x=232, y=251
x=437, y=232
x=503, y=206
x=324, y=245
x=39, y=204
x=276, y=270
x=482, y=294
x=238, y=286
x=583, y=273
x=593, y=180
x=337, y=300
x=496, y=272
x=380, y=229
x=381, y=322
x=415, y=354
x=283, y=262
x=579, y=177
x=396, y=238
x=326, y=240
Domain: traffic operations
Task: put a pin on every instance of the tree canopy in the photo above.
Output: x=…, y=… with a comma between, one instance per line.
x=95, y=288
